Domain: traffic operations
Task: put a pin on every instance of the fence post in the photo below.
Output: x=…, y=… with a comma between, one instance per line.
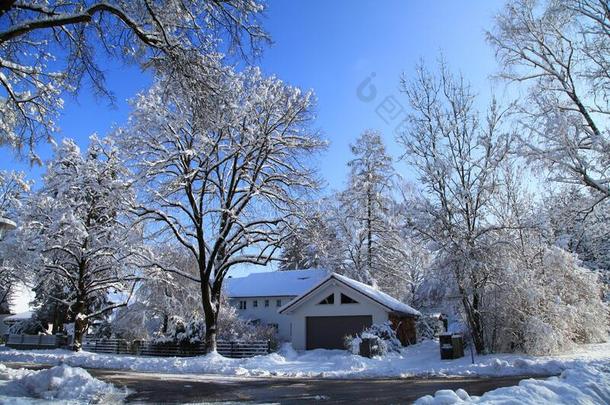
x=268, y=346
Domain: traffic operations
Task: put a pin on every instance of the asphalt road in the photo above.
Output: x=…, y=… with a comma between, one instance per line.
x=149, y=388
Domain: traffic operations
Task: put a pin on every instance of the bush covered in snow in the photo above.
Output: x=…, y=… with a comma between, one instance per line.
x=546, y=306
x=230, y=327
x=383, y=338
x=429, y=326
x=183, y=332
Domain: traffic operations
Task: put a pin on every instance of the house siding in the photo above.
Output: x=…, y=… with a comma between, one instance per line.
x=266, y=315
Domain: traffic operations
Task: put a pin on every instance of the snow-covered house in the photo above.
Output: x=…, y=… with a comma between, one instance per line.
x=316, y=309
x=259, y=296
x=11, y=320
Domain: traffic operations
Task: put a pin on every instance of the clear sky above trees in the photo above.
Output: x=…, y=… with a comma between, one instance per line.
x=330, y=47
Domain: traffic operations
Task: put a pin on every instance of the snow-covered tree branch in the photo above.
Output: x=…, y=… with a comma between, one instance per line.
x=87, y=252
x=560, y=49
x=13, y=189
x=49, y=48
x=221, y=158
x=458, y=157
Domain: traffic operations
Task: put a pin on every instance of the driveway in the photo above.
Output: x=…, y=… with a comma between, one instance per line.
x=189, y=388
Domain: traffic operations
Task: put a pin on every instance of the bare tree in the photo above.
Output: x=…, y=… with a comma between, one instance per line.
x=48, y=48
x=560, y=49
x=221, y=159
x=457, y=156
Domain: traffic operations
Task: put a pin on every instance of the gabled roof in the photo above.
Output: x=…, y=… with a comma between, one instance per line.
x=290, y=283
x=388, y=302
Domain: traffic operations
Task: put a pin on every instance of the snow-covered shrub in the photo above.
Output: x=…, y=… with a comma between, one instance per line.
x=429, y=327
x=230, y=327
x=352, y=344
x=383, y=336
x=134, y=322
x=191, y=332
x=104, y=330
x=545, y=306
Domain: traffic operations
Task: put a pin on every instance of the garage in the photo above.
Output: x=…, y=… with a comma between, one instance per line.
x=339, y=306
x=328, y=332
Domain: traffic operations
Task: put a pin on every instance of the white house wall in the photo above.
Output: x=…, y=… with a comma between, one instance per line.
x=266, y=315
x=310, y=307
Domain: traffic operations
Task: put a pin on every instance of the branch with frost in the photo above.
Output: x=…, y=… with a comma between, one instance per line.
x=48, y=48
x=220, y=166
x=558, y=50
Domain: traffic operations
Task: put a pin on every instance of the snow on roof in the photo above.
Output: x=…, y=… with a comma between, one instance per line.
x=274, y=283
x=21, y=316
x=380, y=297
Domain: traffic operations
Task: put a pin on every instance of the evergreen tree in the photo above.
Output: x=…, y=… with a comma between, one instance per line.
x=78, y=226
x=365, y=204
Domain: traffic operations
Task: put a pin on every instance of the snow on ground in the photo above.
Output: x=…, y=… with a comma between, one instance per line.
x=59, y=384
x=580, y=385
x=418, y=360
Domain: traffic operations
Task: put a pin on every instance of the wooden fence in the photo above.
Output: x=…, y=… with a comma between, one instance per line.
x=28, y=342
x=232, y=349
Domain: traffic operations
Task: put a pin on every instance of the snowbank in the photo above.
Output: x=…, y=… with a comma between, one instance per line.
x=417, y=360
x=581, y=385
x=60, y=383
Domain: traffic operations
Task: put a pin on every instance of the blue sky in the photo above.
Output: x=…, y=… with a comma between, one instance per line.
x=330, y=47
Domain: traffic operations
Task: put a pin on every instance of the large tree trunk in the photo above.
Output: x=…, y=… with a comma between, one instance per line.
x=165, y=323
x=474, y=320
x=211, y=316
x=210, y=336
x=81, y=323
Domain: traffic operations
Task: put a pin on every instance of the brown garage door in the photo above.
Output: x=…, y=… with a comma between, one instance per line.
x=327, y=332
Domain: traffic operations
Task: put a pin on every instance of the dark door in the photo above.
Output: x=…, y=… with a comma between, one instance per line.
x=328, y=332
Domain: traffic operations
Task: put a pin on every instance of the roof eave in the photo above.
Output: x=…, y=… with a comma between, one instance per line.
x=405, y=314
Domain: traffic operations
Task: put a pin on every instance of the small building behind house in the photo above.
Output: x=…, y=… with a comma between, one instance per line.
x=11, y=320
x=259, y=296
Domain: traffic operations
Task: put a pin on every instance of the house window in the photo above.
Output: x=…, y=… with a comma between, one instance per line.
x=266, y=303
x=255, y=304
x=328, y=300
x=242, y=305
x=278, y=303
x=347, y=300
